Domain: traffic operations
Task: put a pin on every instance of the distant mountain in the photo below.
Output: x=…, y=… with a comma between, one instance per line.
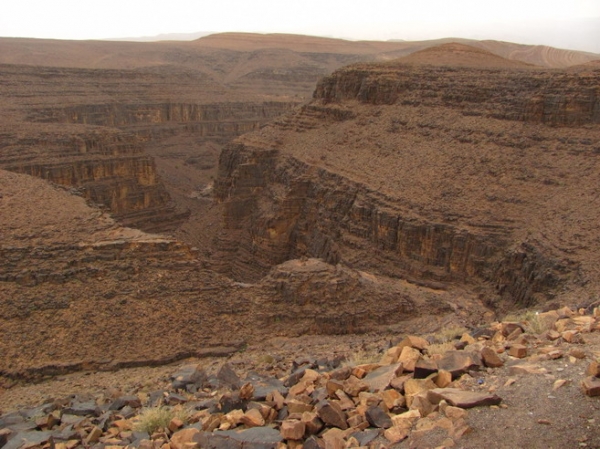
x=164, y=37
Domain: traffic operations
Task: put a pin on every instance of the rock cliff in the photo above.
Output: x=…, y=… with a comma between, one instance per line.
x=79, y=291
x=469, y=175
x=81, y=128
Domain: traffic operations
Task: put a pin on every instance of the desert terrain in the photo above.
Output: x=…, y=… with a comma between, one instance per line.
x=268, y=199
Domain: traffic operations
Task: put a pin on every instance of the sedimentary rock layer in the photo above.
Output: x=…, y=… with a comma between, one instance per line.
x=465, y=175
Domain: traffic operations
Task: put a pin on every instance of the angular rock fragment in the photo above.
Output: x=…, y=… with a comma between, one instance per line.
x=192, y=375
x=518, y=351
x=253, y=418
x=462, y=399
x=408, y=358
x=459, y=362
x=255, y=438
x=490, y=358
x=292, y=429
x=379, y=379
x=378, y=418
x=396, y=434
x=593, y=369
x=331, y=414
x=228, y=378
x=591, y=386
x=526, y=368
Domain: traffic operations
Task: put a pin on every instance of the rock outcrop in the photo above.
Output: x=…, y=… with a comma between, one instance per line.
x=465, y=175
x=79, y=291
x=81, y=129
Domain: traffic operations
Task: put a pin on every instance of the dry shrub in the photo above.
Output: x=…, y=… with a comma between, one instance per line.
x=154, y=418
x=449, y=333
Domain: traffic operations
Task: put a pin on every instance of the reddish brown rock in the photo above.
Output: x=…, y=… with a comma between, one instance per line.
x=462, y=399
x=408, y=358
x=313, y=424
x=459, y=362
x=593, y=369
x=591, y=386
x=181, y=438
x=331, y=414
x=424, y=368
x=518, y=351
x=253, y=418
x=292, y=429
x=490, y=358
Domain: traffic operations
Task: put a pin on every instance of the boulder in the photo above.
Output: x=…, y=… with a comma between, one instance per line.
x=29, y=439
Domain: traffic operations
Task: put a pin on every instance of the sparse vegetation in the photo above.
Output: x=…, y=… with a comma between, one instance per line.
x=530, y=320
x=266, y=359
x=448, y=334
x=152, y=419
x=363, y=357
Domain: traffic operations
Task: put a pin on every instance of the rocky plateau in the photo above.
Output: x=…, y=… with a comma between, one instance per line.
x=170, y=201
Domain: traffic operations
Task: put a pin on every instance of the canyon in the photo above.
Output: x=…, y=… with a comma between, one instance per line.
x=195, y=197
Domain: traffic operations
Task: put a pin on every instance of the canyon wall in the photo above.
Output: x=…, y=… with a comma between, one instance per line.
x=81, y=292
x=553, y=98
x=335, y=181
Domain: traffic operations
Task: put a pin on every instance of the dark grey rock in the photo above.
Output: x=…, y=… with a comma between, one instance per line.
x=366, y=436
x=232, y=401
x=127, y=412
x=83, y=409
x=378, y=418
x=228, y=378
x=294, y=377
x=71, y=419
x=29, y=438
x=255, y=438
x=42, y=410
x=66, y=433
x=188, y=374
x=311, y=442
x=265, y=385
x=131, y=401
x=174, y=399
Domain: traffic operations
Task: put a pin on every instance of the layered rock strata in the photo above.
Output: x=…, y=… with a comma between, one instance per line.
x=88, y=129
x=78, y=291
x=466, y=175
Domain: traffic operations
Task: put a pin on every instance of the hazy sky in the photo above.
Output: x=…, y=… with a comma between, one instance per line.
x=552, y=22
